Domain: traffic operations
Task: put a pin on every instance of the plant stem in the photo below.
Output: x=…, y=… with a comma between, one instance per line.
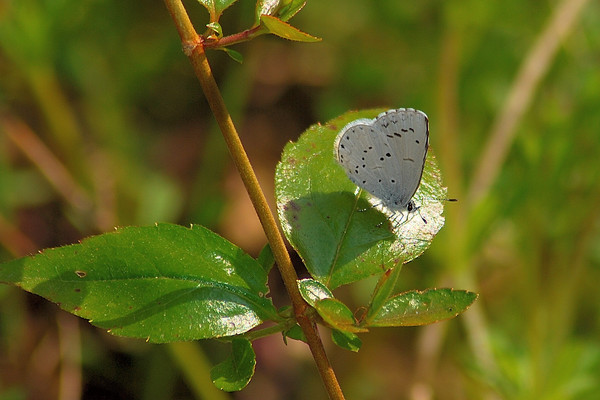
x=194, y=48
x=239, y=37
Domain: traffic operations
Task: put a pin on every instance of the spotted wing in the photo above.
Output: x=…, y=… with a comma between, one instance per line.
x=405, y=137
x=358, y=149
x=385, y=156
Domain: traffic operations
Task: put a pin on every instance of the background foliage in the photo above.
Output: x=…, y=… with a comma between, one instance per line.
x=104, y=124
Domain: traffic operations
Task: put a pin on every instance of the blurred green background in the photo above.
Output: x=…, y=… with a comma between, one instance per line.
x=103, y=124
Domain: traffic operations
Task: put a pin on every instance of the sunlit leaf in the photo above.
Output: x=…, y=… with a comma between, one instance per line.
x=162, y=283
x=313, y=291
x=421, y=307
x=335, y=228
x=333, y=312
x=266, y=7
x=337, y=315
x=286, y=31
x=281, y=9
x=216, y=28
x=289, y=8
x=216, y=7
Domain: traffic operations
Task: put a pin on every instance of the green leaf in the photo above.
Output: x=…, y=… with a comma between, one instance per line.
x=295, y=332
x=163, y=283
x=339, y=234
x=415, y=308
x=266, y=258
x=337, y=315
x=234, y=55
x=313, y=291
x=333, y=312
x=289, y=8
x=266, y=7
x=346, y=340
x=282, y=9
x=383, y=290
x=286, y=31
x=235, y=372
x=216, y=28
x=216, y=7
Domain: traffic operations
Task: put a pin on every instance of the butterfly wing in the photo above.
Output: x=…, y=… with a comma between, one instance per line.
x=357, y=150
x=385, y=156
x=405, y=132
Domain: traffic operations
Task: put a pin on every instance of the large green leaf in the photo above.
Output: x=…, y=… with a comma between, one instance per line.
x=338, y=233
x=163, y=283
x=421, y=307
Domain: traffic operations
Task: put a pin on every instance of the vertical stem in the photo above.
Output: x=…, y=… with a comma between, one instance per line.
x=194, y=49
